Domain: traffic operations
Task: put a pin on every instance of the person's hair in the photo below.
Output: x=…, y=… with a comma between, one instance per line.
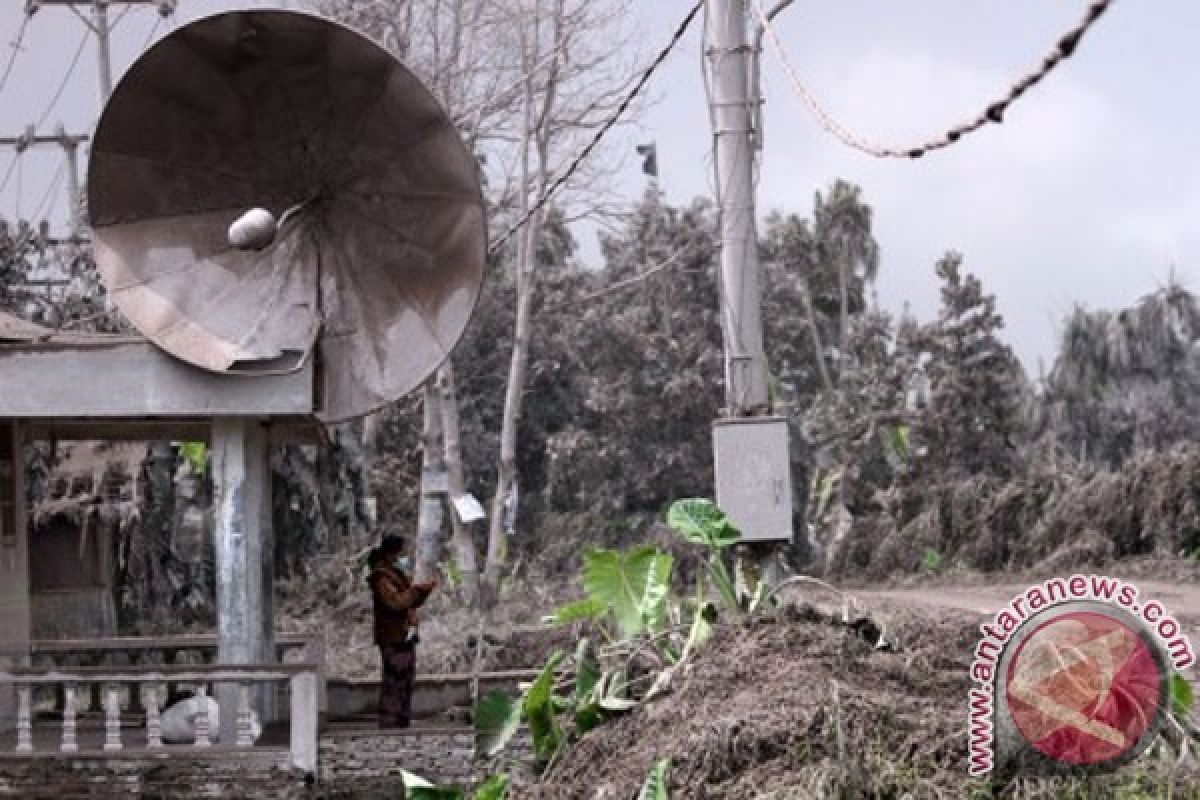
x=388, y=547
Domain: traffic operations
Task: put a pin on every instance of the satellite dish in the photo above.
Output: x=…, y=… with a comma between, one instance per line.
x=268, y=185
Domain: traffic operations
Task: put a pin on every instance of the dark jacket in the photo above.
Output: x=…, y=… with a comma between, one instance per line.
x=395, y=600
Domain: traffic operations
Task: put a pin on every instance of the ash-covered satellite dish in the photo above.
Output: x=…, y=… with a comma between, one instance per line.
x=268, y=186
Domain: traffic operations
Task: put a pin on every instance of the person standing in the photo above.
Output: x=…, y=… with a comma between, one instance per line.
x=395, y=600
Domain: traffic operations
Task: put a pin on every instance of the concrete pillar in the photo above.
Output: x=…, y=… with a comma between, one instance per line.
x=245, y=557
x=14, y=564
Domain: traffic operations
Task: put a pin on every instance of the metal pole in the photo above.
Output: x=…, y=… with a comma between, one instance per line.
x=100, y=26
x=729, y=55
x=70, y=147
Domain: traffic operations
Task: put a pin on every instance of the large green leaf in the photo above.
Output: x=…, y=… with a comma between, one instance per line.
x=701, y=630
x=538, y=709
x=494, y=788
x=587, y=670
x=700, y=521
x=576, y=611
x=655, y=787
x=417, y=788
x=612, y=692
x=720, y=578
x=825, y=487
x=634, y=585
x=435, y=793
x=497, y=717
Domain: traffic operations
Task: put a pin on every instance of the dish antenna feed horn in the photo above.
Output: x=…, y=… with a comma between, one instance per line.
x=269, y=185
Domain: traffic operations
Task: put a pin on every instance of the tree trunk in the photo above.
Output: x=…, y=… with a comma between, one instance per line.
x=464, y=542
x=429, y=513
x=531, y=191
x=810, y=315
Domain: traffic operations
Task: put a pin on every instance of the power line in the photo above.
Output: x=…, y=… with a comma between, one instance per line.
x=158, y=20
x=16, y=48
x=63, y=85
x=8, y=173
x=672, y=261
x=55, y=182
x=601, y=133
x=994, y=113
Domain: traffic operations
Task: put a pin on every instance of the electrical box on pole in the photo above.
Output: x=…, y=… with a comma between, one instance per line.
x=753, y=476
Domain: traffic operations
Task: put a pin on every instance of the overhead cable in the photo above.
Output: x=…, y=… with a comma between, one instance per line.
x=993, y=113
x=16, y=49
x=63, y=85
x=600, y=134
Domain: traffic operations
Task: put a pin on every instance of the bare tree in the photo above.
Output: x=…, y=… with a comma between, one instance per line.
x=526, y=81
x=572, y=84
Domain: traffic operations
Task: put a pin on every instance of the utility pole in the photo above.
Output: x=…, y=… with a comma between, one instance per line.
x=750, y=446
x=729, y=53
x=99, y=25
x=70, y=145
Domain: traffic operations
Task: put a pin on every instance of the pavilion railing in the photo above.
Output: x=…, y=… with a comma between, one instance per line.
x=148, y=685
x=151, y=651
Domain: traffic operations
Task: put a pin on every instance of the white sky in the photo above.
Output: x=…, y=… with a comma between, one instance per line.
x=1088, y=193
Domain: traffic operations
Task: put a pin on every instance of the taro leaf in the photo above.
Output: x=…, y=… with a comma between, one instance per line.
x=612, y=692
x=747, y=582
x=1182, y=696
x=720, y=578
x=702, y=622
x=435, y=793
x=587, y=608
x=655, y=787
x=414, y=781
x=825, y=491
x=700, y=521
x=538, y=708
x=417, y=788
x=497, y=717
x=760, y=594
x=662, y=684
x=633, y=584
x=587, y=675
x=587, y=670
x=494, y=788
x=587, y=716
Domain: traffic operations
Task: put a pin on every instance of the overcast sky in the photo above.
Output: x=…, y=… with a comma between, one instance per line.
x=1089, y=193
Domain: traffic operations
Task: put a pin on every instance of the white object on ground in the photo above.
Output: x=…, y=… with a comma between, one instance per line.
x=179, y=720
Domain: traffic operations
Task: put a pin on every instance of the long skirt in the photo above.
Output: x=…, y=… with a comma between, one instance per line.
x=396, y=689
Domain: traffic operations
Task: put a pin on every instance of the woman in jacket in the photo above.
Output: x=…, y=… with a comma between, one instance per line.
x=395, y=600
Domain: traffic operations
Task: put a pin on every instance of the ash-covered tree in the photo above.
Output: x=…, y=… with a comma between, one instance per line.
x=972, y=421
x=632, y=358
x=1126, y=380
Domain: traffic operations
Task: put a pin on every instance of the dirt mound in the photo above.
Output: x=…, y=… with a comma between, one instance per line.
x=796, y=707
x=789, y=703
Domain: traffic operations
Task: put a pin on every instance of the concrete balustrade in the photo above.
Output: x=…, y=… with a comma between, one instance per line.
x=303, y=682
